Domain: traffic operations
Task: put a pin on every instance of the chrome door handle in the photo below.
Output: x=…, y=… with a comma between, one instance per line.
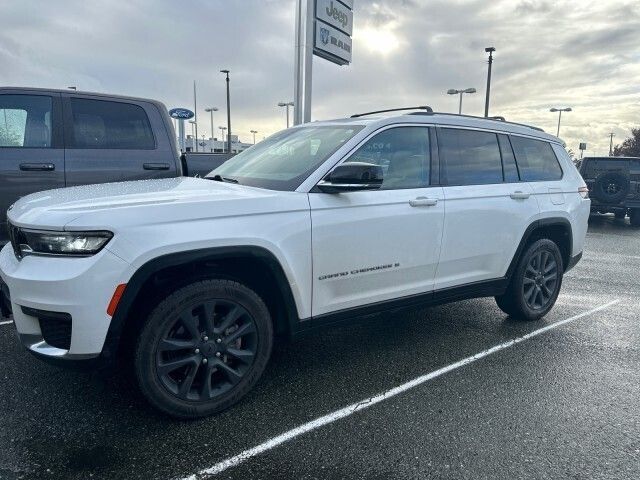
x=37, y=167
x=518, y=195
x=423, y=202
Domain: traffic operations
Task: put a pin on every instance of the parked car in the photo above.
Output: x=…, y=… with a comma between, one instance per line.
x=614, y=185
x=61, y=138
x=192, y=278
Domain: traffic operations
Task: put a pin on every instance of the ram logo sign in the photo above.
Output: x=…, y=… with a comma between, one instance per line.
x=333, y=29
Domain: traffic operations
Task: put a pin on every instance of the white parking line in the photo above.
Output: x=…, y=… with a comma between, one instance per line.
x=8, y=322
x=368, y=402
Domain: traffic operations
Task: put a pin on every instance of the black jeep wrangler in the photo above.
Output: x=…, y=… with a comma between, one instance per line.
x=614, y=185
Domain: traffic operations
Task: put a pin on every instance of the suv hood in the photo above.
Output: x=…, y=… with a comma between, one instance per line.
x=146, y=201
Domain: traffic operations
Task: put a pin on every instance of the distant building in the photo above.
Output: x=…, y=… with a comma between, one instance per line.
x=214, y=145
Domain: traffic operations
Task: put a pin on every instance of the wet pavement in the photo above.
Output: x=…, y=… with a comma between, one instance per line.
x=563, y=404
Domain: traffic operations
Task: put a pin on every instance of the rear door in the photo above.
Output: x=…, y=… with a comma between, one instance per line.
x=115, y=140
x=487, y=207
x=31, y=150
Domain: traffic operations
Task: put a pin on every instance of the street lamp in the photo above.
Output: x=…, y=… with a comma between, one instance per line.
x=490, y=51
x=254, y=136
x=287, y=105
x=453, y=91
x=211, y=110
x=193, y=135
x=222, y=129
x=226, y=72
x=559, y=110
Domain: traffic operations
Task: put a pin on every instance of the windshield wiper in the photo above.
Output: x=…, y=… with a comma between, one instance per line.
x=219, y=178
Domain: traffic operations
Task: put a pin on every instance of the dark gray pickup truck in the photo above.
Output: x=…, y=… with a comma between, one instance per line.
x=61, y=138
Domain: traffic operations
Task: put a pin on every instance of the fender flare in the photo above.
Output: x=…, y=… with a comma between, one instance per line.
x=539, y=224
x=147, y=270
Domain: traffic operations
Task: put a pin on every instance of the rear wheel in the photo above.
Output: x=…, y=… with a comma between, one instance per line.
x=203, y=348
x=634, y=217
x=536, y=282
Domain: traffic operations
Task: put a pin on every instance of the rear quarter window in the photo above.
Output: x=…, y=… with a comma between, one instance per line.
x=536, y=159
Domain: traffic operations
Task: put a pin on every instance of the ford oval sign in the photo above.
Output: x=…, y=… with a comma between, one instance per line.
x=181, y=113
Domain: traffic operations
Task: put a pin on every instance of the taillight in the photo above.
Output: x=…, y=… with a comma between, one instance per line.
x=583, y=192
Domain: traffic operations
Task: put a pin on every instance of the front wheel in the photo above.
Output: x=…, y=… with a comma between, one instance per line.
x=536, y=282
x=203, y=348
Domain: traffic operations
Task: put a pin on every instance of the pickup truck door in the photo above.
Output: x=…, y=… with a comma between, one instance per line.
x=109, y=140
x=379, y=245
x=31, y=150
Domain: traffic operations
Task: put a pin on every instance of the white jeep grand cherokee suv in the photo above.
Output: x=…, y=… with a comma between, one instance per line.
x=319, y=223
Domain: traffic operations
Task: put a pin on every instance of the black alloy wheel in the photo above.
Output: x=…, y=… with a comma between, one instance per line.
x=203, y=348
x=206, y=350
x=535, y=283
x=540, y=280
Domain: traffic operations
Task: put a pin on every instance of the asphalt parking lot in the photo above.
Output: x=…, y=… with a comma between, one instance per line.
x=561, y=404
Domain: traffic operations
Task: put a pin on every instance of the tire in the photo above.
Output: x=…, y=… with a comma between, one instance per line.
x=203, y=348
x=634, y=217
x=620, y=214
x=532, y=293
x=611, y=187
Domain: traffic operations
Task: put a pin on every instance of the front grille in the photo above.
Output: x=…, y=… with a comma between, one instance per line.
x=55, y=326
x=16, y=237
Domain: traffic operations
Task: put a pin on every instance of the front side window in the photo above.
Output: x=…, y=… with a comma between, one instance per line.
x=536, y=160
x=25, y=121
x=284, y=160
x=469, y=157
x=100, y=124
x=402, y=152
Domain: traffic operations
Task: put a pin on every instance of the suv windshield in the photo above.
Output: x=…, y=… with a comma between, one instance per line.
x=284, y=160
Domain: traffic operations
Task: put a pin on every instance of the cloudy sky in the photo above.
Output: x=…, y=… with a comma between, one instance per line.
x=581, y=53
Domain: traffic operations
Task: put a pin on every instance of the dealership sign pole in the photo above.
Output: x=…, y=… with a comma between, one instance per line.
x=181, y=114
x=323, y=28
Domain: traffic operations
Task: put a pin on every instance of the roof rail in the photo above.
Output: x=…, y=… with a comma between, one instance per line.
x=496, y=118
x=422, y=107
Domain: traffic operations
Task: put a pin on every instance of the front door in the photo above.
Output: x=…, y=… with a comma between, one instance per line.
x=373, y=246
x=31, y=150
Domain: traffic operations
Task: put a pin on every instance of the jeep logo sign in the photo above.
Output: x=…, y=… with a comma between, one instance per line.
x=181, y=113
x=336, y=14
x=333, y=29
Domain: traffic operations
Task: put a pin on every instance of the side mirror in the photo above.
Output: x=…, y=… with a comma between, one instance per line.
x=352, y=177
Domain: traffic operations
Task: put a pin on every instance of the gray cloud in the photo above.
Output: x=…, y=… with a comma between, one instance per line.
x=582, y=54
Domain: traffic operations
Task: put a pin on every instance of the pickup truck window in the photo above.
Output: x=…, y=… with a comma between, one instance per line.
x=25, y=121
x=284, y=160
x=100, y=124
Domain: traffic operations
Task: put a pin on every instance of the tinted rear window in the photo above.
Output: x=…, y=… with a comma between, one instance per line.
x=536, y=160
x=110, y=125
x=591, y=167
x=469, y=157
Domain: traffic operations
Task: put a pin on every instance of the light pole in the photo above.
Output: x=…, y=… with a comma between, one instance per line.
x=287, y=105
x=611, y=135
x=222, y=129
x=226, y=72
x=254, y=136
x=211, y=110
x=490, y=51
x=453, y=91
x=559, y=110
x=193, y=124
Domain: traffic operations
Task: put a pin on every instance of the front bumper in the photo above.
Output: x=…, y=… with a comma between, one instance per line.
x=79, y=287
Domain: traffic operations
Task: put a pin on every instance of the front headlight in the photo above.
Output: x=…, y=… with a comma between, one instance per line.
x=62, y=243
